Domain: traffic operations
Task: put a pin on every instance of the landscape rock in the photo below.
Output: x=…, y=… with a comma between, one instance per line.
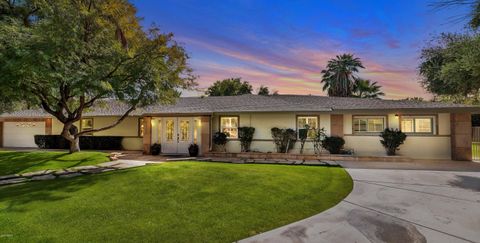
x=13, y=181
x=43, y=177
x=5, y=177
x=70, y=175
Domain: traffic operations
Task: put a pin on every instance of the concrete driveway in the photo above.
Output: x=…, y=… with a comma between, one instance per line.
x=392, y=205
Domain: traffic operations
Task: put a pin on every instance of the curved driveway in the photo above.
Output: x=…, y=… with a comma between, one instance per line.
x=437, y=202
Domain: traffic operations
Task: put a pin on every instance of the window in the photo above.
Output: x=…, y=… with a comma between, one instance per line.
x=418, y=124
x=141, y=127
x=311, y=121
x=366, y=124
x=229, y=125
x=170, y=127
x=86, y=124
x=184, y=130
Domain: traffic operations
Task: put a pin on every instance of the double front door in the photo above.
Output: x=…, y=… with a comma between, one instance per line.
x=177, y=134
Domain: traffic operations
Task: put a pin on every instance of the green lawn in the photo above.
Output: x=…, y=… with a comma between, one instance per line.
x=170, y=202
x=12, y=162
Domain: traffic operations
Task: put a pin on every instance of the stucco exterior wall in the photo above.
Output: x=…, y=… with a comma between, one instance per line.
x=128, y=129
x=263, y=123
x=436, y=146
x=416, y=146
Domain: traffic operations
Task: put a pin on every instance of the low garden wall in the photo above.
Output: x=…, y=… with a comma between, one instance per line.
x=334, y=157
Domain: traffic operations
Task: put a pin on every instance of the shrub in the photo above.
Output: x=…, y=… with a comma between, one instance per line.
x=284, y=139
x=193, y=150
x=220, y=139
x=392, y=139
x=156, y=149
x=245, y=134
x=318, y=139
x=86, y=142
x=303, y=135
x=333, y=144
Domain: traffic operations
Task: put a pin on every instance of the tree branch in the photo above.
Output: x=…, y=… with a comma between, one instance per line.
x=127, y=113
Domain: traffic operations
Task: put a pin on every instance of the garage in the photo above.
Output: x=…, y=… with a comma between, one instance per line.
x=21, y=134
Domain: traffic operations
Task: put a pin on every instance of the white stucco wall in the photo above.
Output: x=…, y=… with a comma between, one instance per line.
x=422, y=147
x=263, y=123
x=128, y=129
x=416, y=146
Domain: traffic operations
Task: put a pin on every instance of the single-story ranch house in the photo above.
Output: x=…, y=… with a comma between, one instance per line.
x=435, y=130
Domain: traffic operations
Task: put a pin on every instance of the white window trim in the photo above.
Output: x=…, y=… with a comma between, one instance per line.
x=384, y=119
x=221, y=127
x=432, y=117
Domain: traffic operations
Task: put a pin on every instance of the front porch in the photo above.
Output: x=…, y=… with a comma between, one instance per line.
x=176, y=133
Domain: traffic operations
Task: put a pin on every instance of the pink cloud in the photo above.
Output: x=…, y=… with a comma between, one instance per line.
x=297, y=71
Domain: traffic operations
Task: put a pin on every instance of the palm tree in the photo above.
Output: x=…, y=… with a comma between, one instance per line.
x=364, y=88
x=339, y=76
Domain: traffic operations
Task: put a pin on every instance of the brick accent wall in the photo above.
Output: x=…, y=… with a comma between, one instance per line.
x=205, y=135
x=1, y=134
x=147, y=134
x=48, y=126
x=461, y=136
x=336, y=125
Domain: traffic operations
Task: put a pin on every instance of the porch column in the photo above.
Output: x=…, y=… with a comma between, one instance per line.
x=1, y=134
x=461, y=136
x=336, y=125
x=48, y=126
x=147, y=134
x=205, y=135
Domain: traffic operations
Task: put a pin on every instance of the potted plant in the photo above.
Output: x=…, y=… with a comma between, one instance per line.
x=193, y=150
x=155, y=149
x=392, y=139
x=333, y=144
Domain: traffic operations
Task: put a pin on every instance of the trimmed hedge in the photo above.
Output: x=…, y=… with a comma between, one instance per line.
x=86, y=142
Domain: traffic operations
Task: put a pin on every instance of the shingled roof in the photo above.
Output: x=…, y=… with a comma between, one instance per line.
x=259, y=103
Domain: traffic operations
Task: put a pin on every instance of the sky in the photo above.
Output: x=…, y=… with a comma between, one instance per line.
x=286, y=44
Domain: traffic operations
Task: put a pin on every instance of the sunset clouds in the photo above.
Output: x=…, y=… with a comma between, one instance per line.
x=285, y=45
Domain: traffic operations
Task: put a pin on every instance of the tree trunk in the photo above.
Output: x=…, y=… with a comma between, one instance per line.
x=69, y=133
x=75, y=145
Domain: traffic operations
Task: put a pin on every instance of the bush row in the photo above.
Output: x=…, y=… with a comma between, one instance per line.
x=86, y=142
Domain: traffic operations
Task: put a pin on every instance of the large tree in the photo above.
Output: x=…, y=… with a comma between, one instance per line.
x=340, y=74
x=68, y=55
x=229, y=87
x=264, y=90
x=472, y=17
x=364, y=88
x=450, y=68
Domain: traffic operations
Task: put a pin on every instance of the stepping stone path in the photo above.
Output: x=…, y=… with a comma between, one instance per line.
x=71, y=172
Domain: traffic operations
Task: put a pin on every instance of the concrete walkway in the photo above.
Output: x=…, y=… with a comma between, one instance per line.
x=391, y=205
x=71, y=172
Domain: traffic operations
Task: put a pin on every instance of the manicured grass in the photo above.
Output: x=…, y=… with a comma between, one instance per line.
x=170, y=202
x=12, y=162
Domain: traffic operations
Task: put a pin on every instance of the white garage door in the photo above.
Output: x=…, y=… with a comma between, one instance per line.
x=20, y=134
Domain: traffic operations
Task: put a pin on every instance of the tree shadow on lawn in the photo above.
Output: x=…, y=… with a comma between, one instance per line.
x=17, y=162
x=16, y=197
